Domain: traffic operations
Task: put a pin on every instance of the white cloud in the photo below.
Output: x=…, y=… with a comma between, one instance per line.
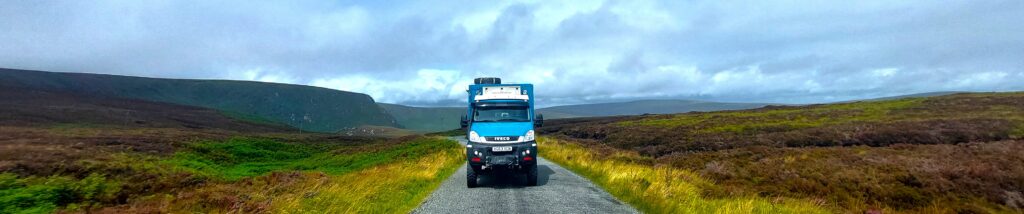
x=574, y=51
x=262, y=75
x=428, y=85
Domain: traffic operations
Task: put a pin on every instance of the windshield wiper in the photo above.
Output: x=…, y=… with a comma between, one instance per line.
x=513, y=120
x=484, y=121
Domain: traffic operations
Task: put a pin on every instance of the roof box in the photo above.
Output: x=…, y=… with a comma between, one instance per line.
x=487, y=80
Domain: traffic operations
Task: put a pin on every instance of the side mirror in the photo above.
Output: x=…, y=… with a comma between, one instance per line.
x=465, y=121
x=539, y=121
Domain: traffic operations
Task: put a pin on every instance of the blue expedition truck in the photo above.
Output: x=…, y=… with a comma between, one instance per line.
x=499, y=122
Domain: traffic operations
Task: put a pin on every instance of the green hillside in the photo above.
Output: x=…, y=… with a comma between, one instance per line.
x=305, y=107
x=425, y=119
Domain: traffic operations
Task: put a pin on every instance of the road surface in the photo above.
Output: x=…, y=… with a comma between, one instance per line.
x=558, y=191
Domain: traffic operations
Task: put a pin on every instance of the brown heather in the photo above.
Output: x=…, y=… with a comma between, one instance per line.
x=960, y=153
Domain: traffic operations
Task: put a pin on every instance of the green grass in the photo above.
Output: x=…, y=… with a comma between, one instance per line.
x=781, y=119
x=235, y=168
x=46, y=194
x=246, y=157
x=396, y=181
x=1018, y=133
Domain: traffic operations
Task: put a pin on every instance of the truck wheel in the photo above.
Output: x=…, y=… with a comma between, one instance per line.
x=470, y=177
x=531, y=176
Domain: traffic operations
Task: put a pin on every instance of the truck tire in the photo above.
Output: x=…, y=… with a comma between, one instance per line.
x=531, y=176
x=470, y=177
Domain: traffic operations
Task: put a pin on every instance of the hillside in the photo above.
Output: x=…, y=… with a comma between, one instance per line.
x=425, y=119
x=305, y=107
x=945, y=154
x=928, y=120
x=33, y=108
x=65, y=152
x=640, y=107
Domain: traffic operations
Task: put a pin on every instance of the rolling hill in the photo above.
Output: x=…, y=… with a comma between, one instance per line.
x=62, y=151
x=305, y=107
x=425, y=119
x=27, y=107
x=641, y=107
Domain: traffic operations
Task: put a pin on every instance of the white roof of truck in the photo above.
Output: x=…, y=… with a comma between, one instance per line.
x=508, y=92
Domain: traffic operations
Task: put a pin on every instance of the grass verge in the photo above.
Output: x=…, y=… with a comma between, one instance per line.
x=657, y=189
x=392, y=188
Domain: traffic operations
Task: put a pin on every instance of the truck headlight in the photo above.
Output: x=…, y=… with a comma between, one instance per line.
x=529, y=136
x=474, y=137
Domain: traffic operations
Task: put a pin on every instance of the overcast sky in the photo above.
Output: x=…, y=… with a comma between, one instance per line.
x=426, y=52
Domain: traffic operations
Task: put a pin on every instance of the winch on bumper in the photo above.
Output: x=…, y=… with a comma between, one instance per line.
x=486, y=157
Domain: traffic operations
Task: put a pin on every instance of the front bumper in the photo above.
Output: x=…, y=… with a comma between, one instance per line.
x=481, y=156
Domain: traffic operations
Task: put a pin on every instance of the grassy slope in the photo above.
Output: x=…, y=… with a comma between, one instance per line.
x=24, y=107
x=906, y=155
x=425, y=119
x=237, y=174
x=240, y=158
x=936, y=120
x=327, y=110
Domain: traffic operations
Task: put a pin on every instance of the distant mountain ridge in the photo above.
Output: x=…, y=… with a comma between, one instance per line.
x=639, y=107
x=425, y=119
x=29, y=107
x=446, y=118
x=305, y=107
x=926, y=94
x=433, y=119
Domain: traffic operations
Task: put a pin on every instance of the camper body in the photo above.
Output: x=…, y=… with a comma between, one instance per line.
x=499, y=122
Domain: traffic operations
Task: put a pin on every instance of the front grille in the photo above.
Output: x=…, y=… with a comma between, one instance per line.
x=502, y=139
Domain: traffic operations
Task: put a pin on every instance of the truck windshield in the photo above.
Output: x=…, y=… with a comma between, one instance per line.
x=501, y=114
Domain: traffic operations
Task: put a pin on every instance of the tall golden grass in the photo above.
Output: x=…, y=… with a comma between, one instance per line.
x=391, y=188
x=659, y=189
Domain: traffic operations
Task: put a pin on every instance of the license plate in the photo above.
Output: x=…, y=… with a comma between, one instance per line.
x=501, y=149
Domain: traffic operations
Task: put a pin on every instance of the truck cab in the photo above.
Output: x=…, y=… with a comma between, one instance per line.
x=499, y=122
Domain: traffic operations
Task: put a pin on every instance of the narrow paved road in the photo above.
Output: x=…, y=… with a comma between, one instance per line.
x=558, y=191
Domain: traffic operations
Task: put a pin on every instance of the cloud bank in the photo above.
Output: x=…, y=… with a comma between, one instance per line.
x=425, y=53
